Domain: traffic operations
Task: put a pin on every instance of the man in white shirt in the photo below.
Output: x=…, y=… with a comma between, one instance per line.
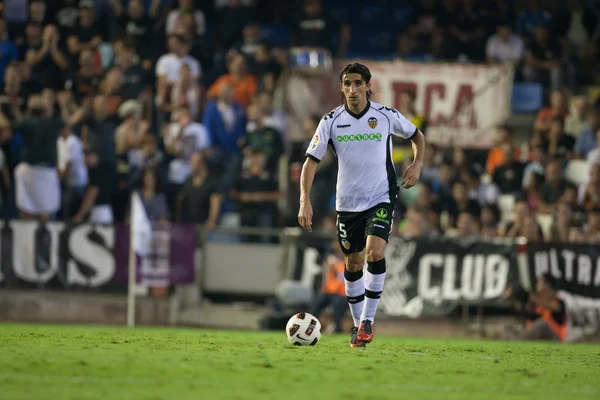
x=359, y=133
x=186, y=6
x=168, y=66
x=71, y=170
x=183, y=138
x=504, y=47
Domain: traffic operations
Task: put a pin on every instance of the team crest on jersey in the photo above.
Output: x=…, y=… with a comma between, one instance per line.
x=372, y=122
x=314, y=142
x=346, y=244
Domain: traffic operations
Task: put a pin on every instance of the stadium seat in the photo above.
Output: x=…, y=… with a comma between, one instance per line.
x=527, y=97
x=577, y=172
x=506, y=203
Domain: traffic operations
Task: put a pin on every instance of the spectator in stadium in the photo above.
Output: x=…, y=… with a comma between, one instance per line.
x=561, y=224
x=552, y=321
x=592, y=227
x=517, y=227
x=495, y=156
x=504, y=47
x=554, y=187
x=256, y=193
x=586, y=141
x=558, y=108
x=225, y=121
x=72, y=172
x=489, y=219
x=531, y=192
x=467, y=225
x=168, y=69
x=577, y=119
x=96, y=206
x=589, y=192
x=416, y=224
x=408, y=108
x=576, y=26
x=98, y=130
x=138, y=25
x=230, y=21
x=182, y=138
x=426, y=200
x=482, y=192
x=333, y=292
x=264, y=138
x=154, y=201
x=537, y=165
x=176, y=15
x=509, y=175
x=461, y=203
x=272, y=117
x=467, y=30
x=442, y=187
x=43, y=54
x=244, y=84
x=36, y=179
x=543, y=59
x=130, y=134
x=560, y=144
x=426, y=21
x=186, y=93
x=315, y=28
x=265, y=67
x=8, y=50
x=593, y=156
x=199, y=200
x=576, y=236
x=532, y=17
x=88, y=33
x=431, y=166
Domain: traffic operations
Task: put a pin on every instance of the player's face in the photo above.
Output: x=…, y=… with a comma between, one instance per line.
x=355, y=89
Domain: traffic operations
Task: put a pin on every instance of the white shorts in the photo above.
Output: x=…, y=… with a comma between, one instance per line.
x=37, y=189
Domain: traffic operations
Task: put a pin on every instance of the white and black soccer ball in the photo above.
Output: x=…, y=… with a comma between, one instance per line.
x=303, y=329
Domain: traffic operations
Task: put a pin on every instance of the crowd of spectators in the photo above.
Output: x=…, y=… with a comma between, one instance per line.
x=175, y=98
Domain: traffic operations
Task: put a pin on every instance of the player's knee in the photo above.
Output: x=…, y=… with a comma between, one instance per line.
x=375, y=254
x=354, y=264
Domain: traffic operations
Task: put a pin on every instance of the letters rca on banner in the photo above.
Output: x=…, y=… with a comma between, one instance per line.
x=463, y=103
x=431, y=277
x=59, y=256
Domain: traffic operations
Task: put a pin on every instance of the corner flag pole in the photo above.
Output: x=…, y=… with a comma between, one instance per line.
x=132, y=267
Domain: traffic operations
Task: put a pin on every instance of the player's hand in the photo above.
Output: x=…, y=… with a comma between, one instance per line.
x=305, y=216
x=411, y=175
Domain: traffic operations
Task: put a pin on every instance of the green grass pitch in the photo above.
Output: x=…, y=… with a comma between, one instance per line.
x=85, y=362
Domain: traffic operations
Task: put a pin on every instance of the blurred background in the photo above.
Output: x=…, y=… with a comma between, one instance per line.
x=207, y=107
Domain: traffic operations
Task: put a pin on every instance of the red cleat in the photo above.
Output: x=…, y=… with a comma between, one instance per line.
x=365, y=331
x=354, y=342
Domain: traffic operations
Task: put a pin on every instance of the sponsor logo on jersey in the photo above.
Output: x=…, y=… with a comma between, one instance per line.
x=315, y=142
x=379, y=226
x=372, y=122
x=359, y=137
x=346, y=244
x=344, y=126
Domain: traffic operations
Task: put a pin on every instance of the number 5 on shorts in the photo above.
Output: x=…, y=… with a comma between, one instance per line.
x=341, y=228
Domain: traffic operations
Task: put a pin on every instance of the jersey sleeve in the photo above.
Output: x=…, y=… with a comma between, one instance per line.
x=400, y=126
x=318, y=145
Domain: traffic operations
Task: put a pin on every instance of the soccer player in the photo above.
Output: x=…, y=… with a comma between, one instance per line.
x=359, y=133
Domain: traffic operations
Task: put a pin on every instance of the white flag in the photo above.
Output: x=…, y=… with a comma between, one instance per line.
x=141, y=229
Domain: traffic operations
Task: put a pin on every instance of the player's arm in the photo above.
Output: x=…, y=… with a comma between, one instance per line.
x=314, y=154
x=402, y=127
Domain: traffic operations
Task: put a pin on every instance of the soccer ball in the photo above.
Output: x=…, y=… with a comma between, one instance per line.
x=303, y=329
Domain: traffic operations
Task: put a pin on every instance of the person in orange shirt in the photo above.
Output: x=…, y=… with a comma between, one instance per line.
x=333, y=291
x=495, y=156
x=558, y=108
x=244, y=84
x=552, y=321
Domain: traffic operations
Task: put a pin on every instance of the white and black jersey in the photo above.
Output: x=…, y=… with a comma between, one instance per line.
x=362, y=144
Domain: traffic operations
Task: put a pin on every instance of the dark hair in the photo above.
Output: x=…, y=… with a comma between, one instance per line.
x=356, y=68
